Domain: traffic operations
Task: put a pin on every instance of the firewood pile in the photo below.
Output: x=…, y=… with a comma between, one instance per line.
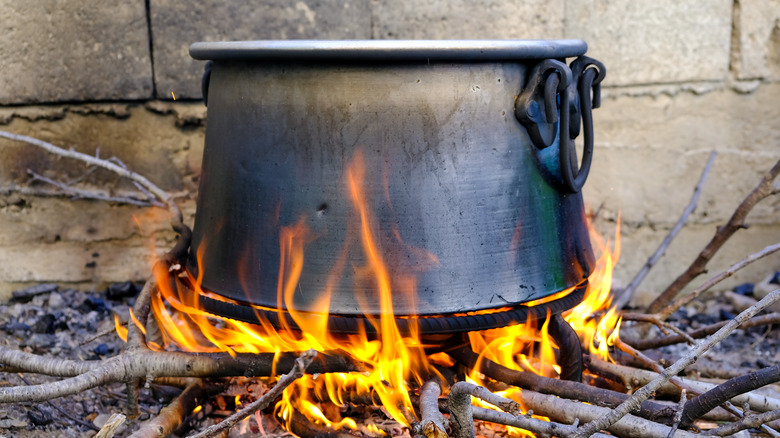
x=66, y=371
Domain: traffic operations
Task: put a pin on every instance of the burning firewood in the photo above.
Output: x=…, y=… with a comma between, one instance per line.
x=540, y=386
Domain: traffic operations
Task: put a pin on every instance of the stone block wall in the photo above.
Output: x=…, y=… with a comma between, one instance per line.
x=685, y=77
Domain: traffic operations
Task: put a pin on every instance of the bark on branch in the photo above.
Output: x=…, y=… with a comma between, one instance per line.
x=628, y=292
x=432, y=422
x=301, y=363
x=161, y=194
x=736, y=222
x=704, y=403
x=701, y=347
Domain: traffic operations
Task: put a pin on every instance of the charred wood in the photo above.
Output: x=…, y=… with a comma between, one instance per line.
x=563, y=388
x=716, y=396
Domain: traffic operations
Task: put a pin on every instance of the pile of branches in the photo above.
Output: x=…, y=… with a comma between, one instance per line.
x=574, y=409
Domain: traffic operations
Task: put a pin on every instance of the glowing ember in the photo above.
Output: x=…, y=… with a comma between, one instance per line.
x=396, y=361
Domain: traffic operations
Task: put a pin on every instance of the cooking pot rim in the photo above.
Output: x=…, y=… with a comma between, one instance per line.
x=390, y=50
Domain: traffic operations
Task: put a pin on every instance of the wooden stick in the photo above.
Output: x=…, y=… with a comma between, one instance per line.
x=702, y=346
x=460, y=408
x=77, y=193
x=261, y=403
x=736, y=222
x=432, y=422
x=673, y=307
x=567, y=411
x=678, y=414
x=541, y=427
x=633, y=378
x=106, y=164
x=748, y=422
x=705, y=402
x=561, y=388
x=171, y=416
x=628, y=292
x=758, y=321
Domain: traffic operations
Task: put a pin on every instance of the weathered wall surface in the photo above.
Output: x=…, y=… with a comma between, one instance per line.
x=685, y=77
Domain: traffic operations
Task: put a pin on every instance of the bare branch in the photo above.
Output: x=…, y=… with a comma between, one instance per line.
x=93, y=194
x=461, y=410
x=432, y=422
x=171, y=416
x=646, y=344
x=673, y=307
x=737, y=221
x=701, y=347
x=567, y=411
x=748, y=422
x=684, y=386
x=726, y=391
x=633, y=378
x=678, y=414
x=628, y=292
x=296, y=372
x=51, y=366
x=561, y=388
x=161, y=194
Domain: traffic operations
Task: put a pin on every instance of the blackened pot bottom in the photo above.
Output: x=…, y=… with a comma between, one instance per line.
x=425, y=325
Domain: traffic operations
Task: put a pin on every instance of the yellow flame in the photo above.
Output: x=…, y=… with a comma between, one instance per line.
x=594, y=333
x=121, y=330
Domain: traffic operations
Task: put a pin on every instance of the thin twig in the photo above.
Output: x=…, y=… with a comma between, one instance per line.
x=736, y=222
x=297, y=371
x=106, y=164
x=567, y=411
x=678, y=414
x=685, y=387
x=646, y=344
x=93, y=194
x=673, y=307
x=62, y=411
x=701, y=347
x=628, y=292
x=662, y=325
x=748, y=422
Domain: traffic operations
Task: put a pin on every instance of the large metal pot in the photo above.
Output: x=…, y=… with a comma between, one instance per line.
x=471, y=193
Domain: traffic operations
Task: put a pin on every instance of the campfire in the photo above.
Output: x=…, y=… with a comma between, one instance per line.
x=366, y=321
x=395, y=362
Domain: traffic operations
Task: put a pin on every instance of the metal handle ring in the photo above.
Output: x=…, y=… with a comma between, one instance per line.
x=574, y=179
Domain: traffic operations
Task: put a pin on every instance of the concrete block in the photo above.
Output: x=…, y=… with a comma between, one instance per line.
x=654, y=42
x=650, y=151
x=147, y=142
x=639, y=243
x=756, y=48
x=73, y=50
x=176, y=24
x=85, y=243
x=462, y=19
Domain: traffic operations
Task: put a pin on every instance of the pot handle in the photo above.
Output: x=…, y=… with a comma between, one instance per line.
x=553, y=85
x=587, y=74
x=537, y=106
